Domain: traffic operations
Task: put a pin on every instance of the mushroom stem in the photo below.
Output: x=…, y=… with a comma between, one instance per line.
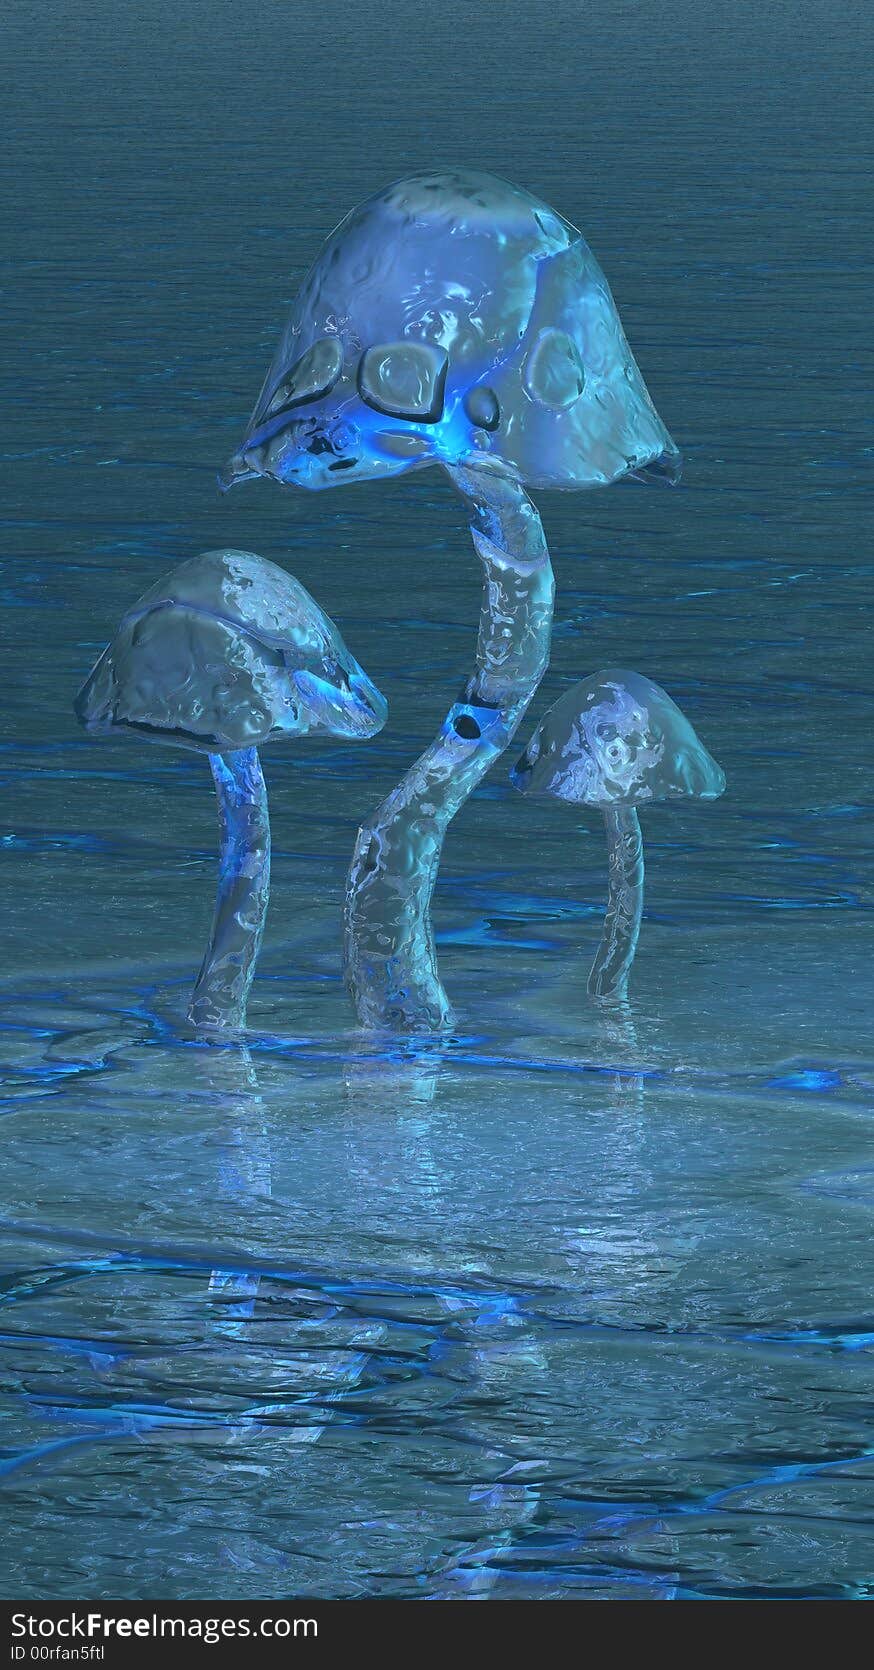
x=391, y=963
x=222, y=988
x=609, y=973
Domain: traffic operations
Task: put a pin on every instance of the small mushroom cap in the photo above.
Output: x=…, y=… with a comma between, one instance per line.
x=226, y=652
x=453, y=318
x=617, y=739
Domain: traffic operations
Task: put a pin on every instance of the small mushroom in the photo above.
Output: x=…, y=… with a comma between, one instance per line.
x=617, y=741
x=222, y=655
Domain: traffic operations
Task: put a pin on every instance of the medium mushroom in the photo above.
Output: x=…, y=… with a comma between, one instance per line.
x=617, y=741
x=454, y=320
x=224, y=654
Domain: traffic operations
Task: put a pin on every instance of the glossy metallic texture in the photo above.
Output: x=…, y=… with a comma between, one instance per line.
x=391, y=960
x=453, y=316
x=226, y=652
x=222, y=655
x=617, y=739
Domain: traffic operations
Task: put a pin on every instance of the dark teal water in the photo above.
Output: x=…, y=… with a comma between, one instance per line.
x=576, y=1307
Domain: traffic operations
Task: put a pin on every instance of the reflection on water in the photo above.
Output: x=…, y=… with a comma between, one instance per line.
x=574, y=1304
x=308, y=1317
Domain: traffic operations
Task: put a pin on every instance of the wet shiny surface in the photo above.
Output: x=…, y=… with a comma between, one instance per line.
x=616, y=738
x=580, y=1305
x=428, y=293
x=228, y=652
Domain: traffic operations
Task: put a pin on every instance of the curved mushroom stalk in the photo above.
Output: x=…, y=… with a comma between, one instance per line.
x=222, y=988
x=391, y=963
x=609, y=973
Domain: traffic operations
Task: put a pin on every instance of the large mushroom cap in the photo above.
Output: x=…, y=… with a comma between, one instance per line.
x=450, y=318
x=617, y=739
x=226, y=652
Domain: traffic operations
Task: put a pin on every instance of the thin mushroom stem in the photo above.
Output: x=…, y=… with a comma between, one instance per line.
x=391, y=962
x=222, y=988
x=609, y=973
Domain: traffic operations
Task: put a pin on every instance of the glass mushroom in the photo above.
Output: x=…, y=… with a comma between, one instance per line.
x=454, y=320
x=617, y=741
x=224, y=654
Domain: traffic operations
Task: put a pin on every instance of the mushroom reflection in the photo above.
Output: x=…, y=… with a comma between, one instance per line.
x=244, y=1171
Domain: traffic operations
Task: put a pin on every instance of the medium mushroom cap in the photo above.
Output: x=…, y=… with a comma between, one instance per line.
x=617, y=739
x=226, y=652
x=454, y=318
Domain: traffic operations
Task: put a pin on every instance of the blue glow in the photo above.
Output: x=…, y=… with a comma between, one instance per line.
x=808, y=1079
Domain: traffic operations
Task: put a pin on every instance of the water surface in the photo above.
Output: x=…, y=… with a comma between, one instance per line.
x=578, y=1305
